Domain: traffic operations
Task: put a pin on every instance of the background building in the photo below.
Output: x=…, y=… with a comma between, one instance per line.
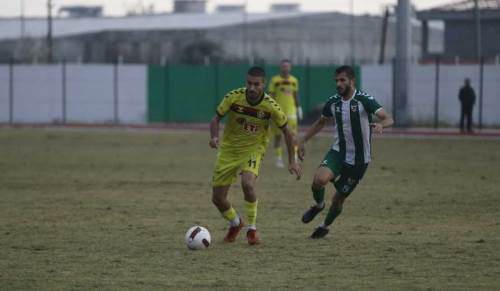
x=461, y=29
x=192, y=36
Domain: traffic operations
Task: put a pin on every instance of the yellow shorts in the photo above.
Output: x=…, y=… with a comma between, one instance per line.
x=292, y=125
x=229, y=165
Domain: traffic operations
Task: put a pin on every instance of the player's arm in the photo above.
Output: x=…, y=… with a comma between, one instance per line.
x=300, y=114
x=385, y=120
x=221, y=110
x=214, y=131
x=311, y=131
x=293, y=165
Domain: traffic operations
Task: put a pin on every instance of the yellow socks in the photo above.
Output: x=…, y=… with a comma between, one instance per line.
x=231, y=216
x=251, y=210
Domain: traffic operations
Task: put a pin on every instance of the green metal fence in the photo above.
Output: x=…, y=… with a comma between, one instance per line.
x=190, y=93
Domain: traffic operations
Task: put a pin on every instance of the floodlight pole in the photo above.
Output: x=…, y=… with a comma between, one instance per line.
x=352, y=33
x=23, y=22
x=480, y=59
x=245, y=30
x=49, y=32
x=477, y=18
x=402, y=63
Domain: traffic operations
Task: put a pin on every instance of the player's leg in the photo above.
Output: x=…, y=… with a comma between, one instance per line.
x=293, y=126
x=334, y=211
x=276, y=132
x=326, y=172
x=248, y=186
x=219, y=199
x=248, y=178
x=226, y=169
x=322, y=176
x=347, y=182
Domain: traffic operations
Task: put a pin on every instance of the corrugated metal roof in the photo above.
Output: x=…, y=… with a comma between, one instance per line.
x=468, y=5
x=10, y=28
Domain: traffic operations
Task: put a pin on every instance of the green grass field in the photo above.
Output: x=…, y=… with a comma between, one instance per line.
x=86, y=210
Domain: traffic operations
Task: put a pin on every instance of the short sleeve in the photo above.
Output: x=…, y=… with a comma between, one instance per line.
x=278, y=116
x=296, y=87
x=327, y=109
x=371, y=105
x=224, y=105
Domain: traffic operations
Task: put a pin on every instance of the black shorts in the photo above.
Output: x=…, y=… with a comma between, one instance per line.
x=347, y=176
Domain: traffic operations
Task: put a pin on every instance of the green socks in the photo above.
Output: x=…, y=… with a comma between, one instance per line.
x=319, y=195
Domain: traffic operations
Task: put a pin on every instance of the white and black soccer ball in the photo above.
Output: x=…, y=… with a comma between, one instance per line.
x=197, y=238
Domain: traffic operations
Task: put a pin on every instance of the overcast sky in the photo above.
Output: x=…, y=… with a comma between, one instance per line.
x=120, y=7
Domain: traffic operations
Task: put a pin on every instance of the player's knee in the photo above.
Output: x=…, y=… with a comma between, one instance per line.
x=320, y=181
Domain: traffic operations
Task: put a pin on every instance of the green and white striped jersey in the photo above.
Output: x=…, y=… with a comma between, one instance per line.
x=353, y=117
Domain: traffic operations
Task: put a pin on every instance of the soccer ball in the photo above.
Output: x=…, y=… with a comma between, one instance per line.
x=197, y=238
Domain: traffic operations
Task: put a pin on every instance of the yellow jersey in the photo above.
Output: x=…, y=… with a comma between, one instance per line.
x=283, y=91
x=247, y=126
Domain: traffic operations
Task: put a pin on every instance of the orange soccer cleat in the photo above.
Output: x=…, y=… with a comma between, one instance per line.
x=233, y=231
x=253, y=237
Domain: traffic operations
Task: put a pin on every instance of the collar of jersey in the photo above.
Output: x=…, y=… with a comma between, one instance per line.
x=256, y=103
x=348, y=100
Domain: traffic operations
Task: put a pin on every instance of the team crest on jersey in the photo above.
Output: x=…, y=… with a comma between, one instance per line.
x=337, y=109
x=261, y=114
x=354, y=108
x=351, y=181
x=240, y=109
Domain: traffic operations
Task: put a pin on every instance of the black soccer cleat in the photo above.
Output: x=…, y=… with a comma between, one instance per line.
x=319, y=232
x=311, y=213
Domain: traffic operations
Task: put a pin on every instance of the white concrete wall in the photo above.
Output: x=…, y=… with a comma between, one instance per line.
x=377, y=80
x=4, y=93
x=38, y=93
x=91, y=91
x=133, y=93
x=491, y=101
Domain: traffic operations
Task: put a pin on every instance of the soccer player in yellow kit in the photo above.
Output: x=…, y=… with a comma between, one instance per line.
x=284, y=89
x=249, y=114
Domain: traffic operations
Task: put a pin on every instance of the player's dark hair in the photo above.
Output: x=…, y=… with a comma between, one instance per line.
x=257, y=72
x=348, y=70
x=286, y=61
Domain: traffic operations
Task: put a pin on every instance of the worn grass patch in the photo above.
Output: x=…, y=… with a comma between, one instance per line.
x=83, y=210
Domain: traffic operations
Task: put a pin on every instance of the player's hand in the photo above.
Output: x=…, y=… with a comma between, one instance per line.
x=377, y=127
x=300, y=114
x=295, y=168
x=214, y=142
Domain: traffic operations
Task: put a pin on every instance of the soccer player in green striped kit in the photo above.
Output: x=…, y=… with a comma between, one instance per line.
x=345, y=163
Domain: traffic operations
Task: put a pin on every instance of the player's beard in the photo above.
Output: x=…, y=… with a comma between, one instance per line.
x=253, y=95
x=344, y=91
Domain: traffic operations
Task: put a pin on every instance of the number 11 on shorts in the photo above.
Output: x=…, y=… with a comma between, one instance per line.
x=252, y=163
